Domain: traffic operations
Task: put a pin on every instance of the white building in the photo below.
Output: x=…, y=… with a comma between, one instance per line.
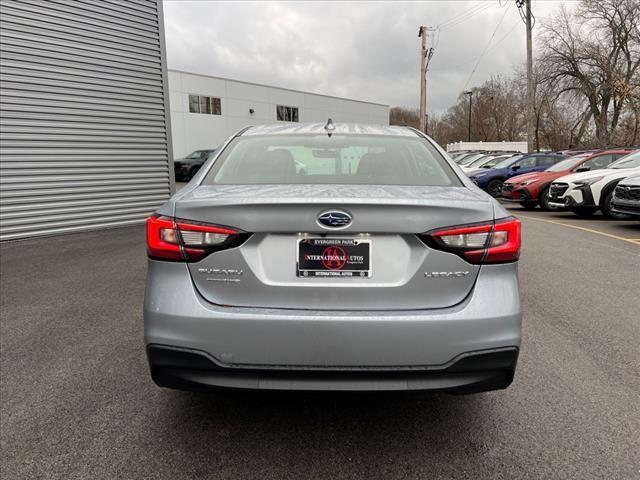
x=206, y=110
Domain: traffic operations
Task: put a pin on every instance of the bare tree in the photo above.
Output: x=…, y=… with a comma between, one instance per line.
x=595, y=55
x=408, y=117
x=586, y=86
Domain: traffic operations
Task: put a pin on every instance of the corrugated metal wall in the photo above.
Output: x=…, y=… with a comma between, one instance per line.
x=84, y=133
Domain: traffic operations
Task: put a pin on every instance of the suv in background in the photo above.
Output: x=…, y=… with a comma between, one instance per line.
x=185, y=168
x=492, y=179
x=586, y=192
x=532, y=189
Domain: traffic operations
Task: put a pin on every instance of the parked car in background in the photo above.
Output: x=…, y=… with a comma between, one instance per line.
x=490, y=163
x=626, y=197
x=185, y=168
x=264, y=277
x=477, y=163
x=491, y=180
x=531, y=189
x=467, y=159
x=586, y=192
x=459, y=155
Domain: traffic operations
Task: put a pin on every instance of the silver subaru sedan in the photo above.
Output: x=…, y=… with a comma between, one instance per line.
x=332, y=257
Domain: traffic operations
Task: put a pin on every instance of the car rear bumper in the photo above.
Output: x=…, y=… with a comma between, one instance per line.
x=470, y=373
x=383, y=344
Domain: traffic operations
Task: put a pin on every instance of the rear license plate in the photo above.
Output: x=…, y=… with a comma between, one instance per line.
x=334, y=257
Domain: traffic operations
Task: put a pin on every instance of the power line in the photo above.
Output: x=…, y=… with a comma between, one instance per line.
x=455, y=21
x=462, y=20
x=467, y=62
x=485, y=49
x=459, y=15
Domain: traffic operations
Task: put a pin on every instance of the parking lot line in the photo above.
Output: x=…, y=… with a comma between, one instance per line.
x=634, y=241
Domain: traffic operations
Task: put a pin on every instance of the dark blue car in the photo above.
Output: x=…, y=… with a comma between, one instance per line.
x=491, y=179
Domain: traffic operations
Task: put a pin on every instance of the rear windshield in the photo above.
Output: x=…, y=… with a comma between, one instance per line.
x=339, y=159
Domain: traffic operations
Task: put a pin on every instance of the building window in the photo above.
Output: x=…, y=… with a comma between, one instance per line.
x=286, y=114
x=216, y=106
x=204, y=104
x=194, y=104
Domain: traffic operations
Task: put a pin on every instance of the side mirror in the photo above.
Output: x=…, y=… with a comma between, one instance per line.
x=582, y=169
x=515, y=167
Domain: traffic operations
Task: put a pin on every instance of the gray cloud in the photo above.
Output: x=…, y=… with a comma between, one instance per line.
x=362, y=50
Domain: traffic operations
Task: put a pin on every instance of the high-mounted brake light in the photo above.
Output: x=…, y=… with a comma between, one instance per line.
x=180, y=240
x=497, y=242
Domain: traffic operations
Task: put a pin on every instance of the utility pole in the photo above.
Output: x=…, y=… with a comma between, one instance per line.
x=425, y=57
x=422, y=33
x=530, y=97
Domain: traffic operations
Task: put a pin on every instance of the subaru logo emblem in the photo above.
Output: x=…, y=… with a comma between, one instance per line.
x=334, y=219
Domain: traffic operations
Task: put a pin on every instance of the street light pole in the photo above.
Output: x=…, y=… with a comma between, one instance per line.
x=470, y=93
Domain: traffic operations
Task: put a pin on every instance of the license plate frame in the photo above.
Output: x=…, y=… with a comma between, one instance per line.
x=345, y=258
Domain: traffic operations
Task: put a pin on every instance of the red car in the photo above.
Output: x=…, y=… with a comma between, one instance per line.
x=531, y=189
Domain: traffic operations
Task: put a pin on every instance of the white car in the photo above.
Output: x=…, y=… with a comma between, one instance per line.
x=585, y=192
x=477, y=163
x=488, y=162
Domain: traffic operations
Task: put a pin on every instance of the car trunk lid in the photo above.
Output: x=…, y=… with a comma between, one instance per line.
x=403, y=272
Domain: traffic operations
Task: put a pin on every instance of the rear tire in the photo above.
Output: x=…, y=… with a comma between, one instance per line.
x=606, y=208
x=494, y=188
x=544, y=199
x=584, y=212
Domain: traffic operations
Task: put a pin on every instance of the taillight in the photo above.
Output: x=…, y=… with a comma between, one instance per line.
x=181, y=240
x=162, y=239
x=497, y=242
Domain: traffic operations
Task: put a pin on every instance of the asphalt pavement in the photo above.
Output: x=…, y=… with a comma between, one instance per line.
x=77, y=400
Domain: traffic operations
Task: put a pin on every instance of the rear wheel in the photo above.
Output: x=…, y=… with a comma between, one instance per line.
x=544, y=199
x=584, y=212
x=494, y=188
x=607, y=208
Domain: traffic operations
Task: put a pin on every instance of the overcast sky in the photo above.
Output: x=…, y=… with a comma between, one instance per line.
x=361, y=50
